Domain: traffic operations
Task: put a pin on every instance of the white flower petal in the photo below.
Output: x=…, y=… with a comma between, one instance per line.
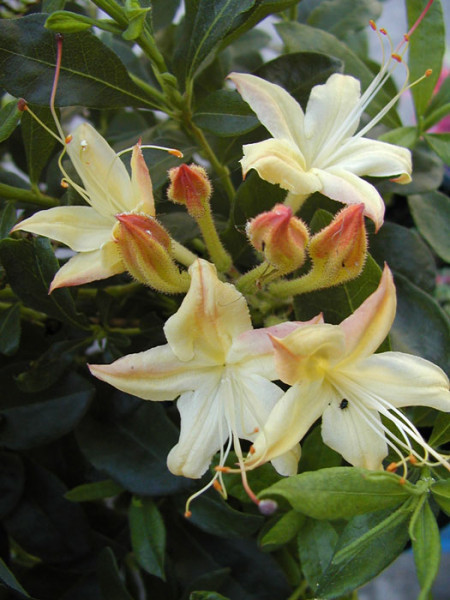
x=103, y=173
x=79, y=227
x=287, y=464
x=89, y=266
x=141, y=183
x=347, y=432
x=277, y=110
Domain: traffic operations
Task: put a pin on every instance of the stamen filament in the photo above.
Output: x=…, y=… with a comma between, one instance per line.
x=59, y=41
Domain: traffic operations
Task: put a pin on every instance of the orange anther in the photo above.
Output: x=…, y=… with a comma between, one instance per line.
x=428, y=72
x=68, y=138
x=217, y=487
x=256, y=430
x=64, y=184
x=373, y=25
x=383, y=31
x=188, y=514
x=252, y=450
x=406, y=37
x=222, y=469
x=402, y=481
x=22, y=104
x=412, y=459
x=397, y=57
x=392, y=467
x=176, y=153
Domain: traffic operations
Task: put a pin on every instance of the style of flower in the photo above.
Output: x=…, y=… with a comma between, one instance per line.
x=319, y=150
x=109, y=190
x=221, y=369
x=335, y=374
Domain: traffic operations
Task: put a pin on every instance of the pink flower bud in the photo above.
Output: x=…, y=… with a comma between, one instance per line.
x=189, y=185
x=280, y=236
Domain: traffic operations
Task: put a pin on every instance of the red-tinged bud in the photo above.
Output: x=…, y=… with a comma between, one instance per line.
x=21, y=105
x=338, y=252
x=145, y=248
x=189, y=185
x=280, y=236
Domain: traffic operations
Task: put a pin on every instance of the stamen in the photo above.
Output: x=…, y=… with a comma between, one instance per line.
x=59, y=42
x=397, y=57
x=373, y=24
x=41, y=123
x=172, y=151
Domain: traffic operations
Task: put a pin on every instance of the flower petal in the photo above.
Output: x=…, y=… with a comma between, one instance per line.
x=348, y=432
x=402, y=380
x=103, y=173
x=204, y=430
x=210, y=316
x=368, y=326
x=289, y=421
x=277, y=110
x=343, y=186
x=141, y=183
x=156, y=374
x=287, y=463
x=79, y=227
x=279, y=162
x=89, y=266
x=330, y=115
x=363, y=156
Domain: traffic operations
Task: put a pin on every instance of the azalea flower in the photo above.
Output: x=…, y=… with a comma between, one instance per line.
x=221, y=369
x=319, y=150
x=335, y=375
x=109, y=190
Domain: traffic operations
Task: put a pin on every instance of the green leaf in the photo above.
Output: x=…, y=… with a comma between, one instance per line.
x=440, y=143
x=315, y=454
x=89, y=492
x=426, y=546
x=8, y=579
x=205, y=595
x=64, y=21
x=367, y=545
x=441, y=430
x=426, y=50
x=111, y=584
x=282, y=532
x=163, y=13
x=341, y=492
x=12, y=479
x=441, y=493
x=8, y=219
x=39, y=144
x=421, y=326
x=406, y=253
x=431, y=213
x=301, y=38
x=9, y=118
x=401, y=136
x=148, y=535
x=10, y=330
x=91, y=74
x=30, y=268
x=439, y=107
x=344, y=17
x=254, y=196
x=224, y=113
x=316, y=542
x=53, y=413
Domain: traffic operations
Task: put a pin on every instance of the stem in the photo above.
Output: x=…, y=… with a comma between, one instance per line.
x=182, y=254
x=300, y=285
x=27, y=313
x=14, y=193
x=299, y=591
x=125, y=330
x=295, y=201
x=118, y=291
x=159, y=99
x=261, y=272
x=217, y=252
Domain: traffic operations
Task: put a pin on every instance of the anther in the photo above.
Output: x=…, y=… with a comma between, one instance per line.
x=175, y=152
x=256, y=430
x=412, y=459
x=397, y=57
x=64, y=184
x=383, y=31
x=22, y=105
x=373, y=25
x=252, y=450
x=392, y=467
x=402, y=481
x=188, y=514
x=406, y=37
x=428, y=72
x=222, y=469
x=217, y=486
x=68, y=138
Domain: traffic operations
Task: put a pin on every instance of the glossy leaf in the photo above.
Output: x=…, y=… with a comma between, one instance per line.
x=340, y=492
x=428, y=211
x=316, y=542
x=10, y=330
x=8, y=219
x=8, y=579
x=441, y=430
x=148, y=535
x=426, y=544
x=224, y=113
x=283, y=531
x=441, y=493
x=111, y=584
x=30, y=267
x=9, y=118
x=39, y=144
x=91, y=74
x=88, y=492
x=12, y=479
x=343, y=17
x=440, y=143
x=426, y=49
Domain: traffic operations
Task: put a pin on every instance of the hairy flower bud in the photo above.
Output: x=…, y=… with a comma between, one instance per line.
x=189, y=185
x=338, y=252
x=280, y=236
x=145, y=248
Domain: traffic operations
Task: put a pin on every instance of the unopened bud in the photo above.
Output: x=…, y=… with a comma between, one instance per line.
x=338, y=252
x=189, y=185
x=280, y=236
x=145, y=248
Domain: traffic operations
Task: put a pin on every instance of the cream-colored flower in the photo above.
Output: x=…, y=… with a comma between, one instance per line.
x=335, y=375
x=319, y=150
x=221, y=369
x=109, y=190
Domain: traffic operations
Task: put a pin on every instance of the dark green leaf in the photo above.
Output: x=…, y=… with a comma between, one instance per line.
x=163, y=13
x=148, y=535
x=426, y=50
x=440, y=143
x=206, y=596
x=439, y=107
x=367, y=545
x=88, y=492
x=111, y=584
x=49, y=6
x=406, y=253
x=39, y=144
x=341, y=492
x=302, y=38
x=12, y=479
x=10, y=330
x=441, y=430
x=315, y=454
x=282, y=532
x=254, y=196
x=441, y=493
x=224, y=113
x=426, y=546
x=132, y=448
x=8, y=579
x=30, y=268
x=401, y=136
x=9, y=117
x=53, y=413
x=8, y=219
x=344, y=17
x=316, y=542
x=91, y=74
x=431, y=214
x=421, y=326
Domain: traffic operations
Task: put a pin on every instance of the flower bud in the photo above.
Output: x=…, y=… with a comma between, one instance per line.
x=145, y=248
x=338, y=252
x=280, y=236
x=189, y=185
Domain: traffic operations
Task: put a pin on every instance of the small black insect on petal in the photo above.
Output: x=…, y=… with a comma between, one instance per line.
x=343, y=404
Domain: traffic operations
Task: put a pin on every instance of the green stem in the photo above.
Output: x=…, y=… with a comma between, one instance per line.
x=27, y=313
x=159, y=99
x=262, y=273
x=300, y=285
x=10, y=192
x=217, y=252
x=182, y=254
x=299, y=591
x=118, y=291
